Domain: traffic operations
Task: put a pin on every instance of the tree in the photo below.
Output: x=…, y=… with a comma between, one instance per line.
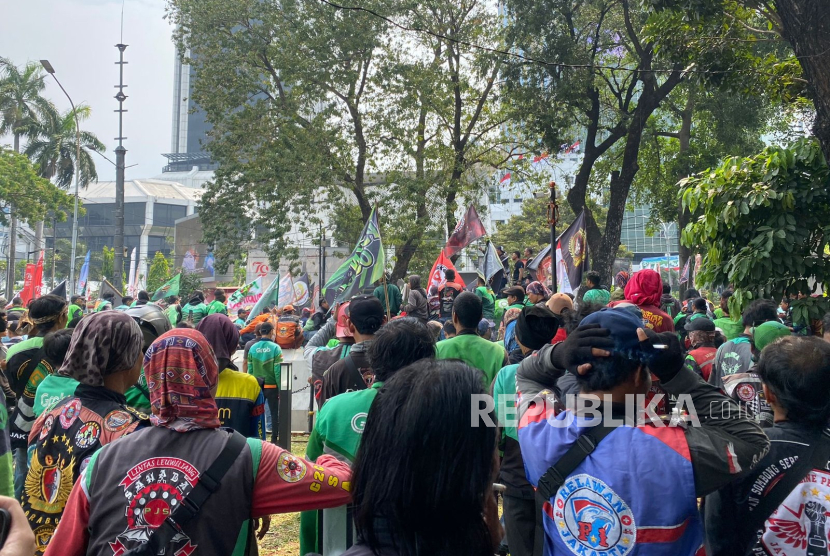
x=191, y=281
x=802, y=23
x=316, y=108
x=107, y=262
x=159, y=272
x=21, y=105
x=52, y=147
x=604, y=73
x=763, y=223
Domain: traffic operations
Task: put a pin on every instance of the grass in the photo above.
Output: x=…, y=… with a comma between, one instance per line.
x=283, y=538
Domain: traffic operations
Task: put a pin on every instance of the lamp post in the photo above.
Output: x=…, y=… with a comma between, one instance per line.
x=51, y=71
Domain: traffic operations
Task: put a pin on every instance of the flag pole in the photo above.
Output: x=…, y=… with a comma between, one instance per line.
x=553, y=213
x=386, y=293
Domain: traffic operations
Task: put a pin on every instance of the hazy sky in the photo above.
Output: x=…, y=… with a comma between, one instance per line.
x=78, y=38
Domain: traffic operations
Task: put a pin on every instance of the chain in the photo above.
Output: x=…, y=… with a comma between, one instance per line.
x=306, y=387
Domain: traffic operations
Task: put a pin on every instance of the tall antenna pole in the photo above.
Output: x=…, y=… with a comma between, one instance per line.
x=120, y=152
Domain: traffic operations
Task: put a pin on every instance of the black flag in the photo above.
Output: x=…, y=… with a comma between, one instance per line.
x=60, y=290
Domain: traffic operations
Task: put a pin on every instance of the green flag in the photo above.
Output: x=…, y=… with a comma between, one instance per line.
x=269, y=298
x=170, y=287
x=363, y=267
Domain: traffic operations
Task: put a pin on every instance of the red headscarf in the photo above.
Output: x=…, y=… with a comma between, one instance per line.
x=644, y=288
x=182, y=373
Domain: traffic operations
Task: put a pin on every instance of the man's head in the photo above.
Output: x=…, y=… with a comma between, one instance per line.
x=324, y=304
x=398, y=344
x=558, y=302
x=666, y=289
x=449, y=275
x=515, y=256
x=536, y=292
x=624, y=371
x=78, y=300
x=172, y=299
x=258, y=330
x=266, y=330
x=825, y=324
x=143, y=296
x=592, y=279
x=109, y=296
x=481, y=281
x=528, y=253
x=766, y=334
x=242, y=313
x=515, y=294
x=17, y=302
x=48, y=313
x=288, y=310
x=127, y=300
x=794, y=371
x=500, y=250
x=691, y=293
x=366, y=316
x=724, y=300
x=219, y=295
x=535, y=327
x=758, y=312
x=699, y=305
x=466, y=311
x=701, y=332
x=449, y=330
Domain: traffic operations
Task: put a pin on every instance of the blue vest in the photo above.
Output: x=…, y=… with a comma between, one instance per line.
x=635, y=494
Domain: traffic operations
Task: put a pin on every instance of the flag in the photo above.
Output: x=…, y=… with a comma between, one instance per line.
x=505, y=180
x=574, y=250
x=107, y=288
x=490, y=264
x=468, y=229
x=286, y=296
x=439, y=269
x=573, y=148
x=363, y=268
x=245, y=296
x=131, y=277
x=38, y=283
x=314, y=297
x=537, y=161
x=302, y=293
x=82, y=278
x=28, y=291
x=170, y=287
x=684, y=276
x=269, y=298
x=540, y=266
x=60, y=290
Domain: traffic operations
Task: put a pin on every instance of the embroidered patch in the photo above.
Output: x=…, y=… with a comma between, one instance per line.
x=43, y=534
x=592, y=519
x=47, y=426
x=117, y=420
x=290, y=468
x=70, y=412
x=87, y=435
x=799, y=525
x=359, y=422
x=745, y=392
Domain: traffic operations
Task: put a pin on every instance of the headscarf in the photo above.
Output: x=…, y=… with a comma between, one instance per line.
x=538, y=288
x=182, y=373
x=644, y=288
x=597, y=296
x=621, y=279
x=102, y=344
x=220, y=333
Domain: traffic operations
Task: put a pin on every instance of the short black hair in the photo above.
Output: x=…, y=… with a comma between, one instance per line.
x=666, y=289
x=449, y=274
x=55, y=346
x=143, y=296
x=759, y=312
x=726, y=294
x=109, y=296
x=258, y=330
x=398, y=344
x=424, y=410
x=607, y=373
x=76, y=298
x=219, y=294
x=517, y=253
x=127, y=299
x=47, y=306
x=699, y=304
x=467, y=307
x=17, y=301
x=592, y=277
x=529, y=250
x=691, y=293
x=571, y=319
x=796, y=368
x=449, y=328
x=265, y=328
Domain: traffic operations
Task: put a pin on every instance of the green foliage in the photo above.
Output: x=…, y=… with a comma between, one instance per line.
x=191, y=281
x=763, y=223
x=159, y=272
x=31, y=195
x=107, y=262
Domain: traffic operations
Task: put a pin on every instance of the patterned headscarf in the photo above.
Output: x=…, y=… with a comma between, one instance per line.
x=103, y=343
x=621, y=279
x=182, y=373
x=221, y=334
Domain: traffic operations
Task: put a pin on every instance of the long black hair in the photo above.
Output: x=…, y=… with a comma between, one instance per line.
x=422, y=472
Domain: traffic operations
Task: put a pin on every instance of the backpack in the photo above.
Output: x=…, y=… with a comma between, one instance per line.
x=287, y=333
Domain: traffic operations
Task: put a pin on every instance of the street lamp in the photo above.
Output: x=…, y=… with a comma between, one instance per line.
x=51, y=71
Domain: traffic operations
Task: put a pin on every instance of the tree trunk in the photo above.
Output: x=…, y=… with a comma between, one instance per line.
x=683, y=216
x=12, y=236
x=806, y=26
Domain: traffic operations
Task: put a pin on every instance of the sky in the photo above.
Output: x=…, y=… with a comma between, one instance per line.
x=78, y=38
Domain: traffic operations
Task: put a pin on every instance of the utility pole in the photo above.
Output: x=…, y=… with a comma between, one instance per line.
x=120, y=152
x=323, y=258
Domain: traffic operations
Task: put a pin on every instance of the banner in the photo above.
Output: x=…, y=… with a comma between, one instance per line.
x=302, y=292
x=131, y=277
x=28, y=291
x=246, y=296
x=60, y=290
x=490, y=264
x=269, y=297
x=286, y=295
x=84, y=275
x=468, y=229
x=437, y=277
x=363, y=268
x=684, y=276
x=38, y=282
x=573, y=246
x=170, y=287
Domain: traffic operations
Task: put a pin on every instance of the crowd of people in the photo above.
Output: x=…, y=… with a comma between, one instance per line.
x=620, y=420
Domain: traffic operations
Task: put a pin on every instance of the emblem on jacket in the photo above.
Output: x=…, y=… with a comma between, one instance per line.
x=592, y=519
x=799, y=525
x=154, y=489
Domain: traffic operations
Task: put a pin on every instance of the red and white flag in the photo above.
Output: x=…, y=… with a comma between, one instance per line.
x=505, y=180
x=573, y=148
x=468, y=229
x=537, y=161
x=437, y=277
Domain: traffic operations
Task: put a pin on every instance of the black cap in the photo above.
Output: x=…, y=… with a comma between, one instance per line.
x=516, y=291
x=702, y=324
x=366, y=313
x=536, y=326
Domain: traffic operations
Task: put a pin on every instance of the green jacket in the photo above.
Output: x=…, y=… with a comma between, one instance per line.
x=731, y=328
x=103, y=305
x=216, y=306
x=74, y=312
x=395, y=298
x=504, y=394
x=339, y=425
x=172, y=313
x=55, y=388
x=194, y=313
x=486, y=356
x=488, y=302
x=264, y=360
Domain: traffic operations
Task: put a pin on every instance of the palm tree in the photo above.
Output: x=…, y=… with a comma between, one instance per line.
x=21, y=105
x=52, y=148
